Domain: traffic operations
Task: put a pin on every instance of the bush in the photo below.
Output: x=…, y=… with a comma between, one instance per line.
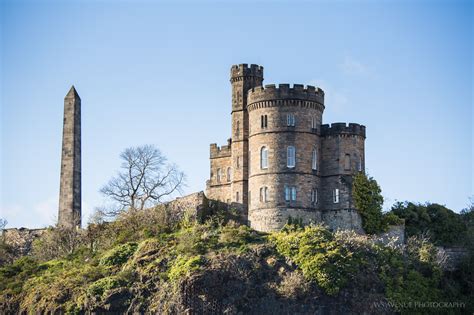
x=316, y=252
x=442, y=225
x=103, y=285
x=368, y=201
x=118, y=255
x=56, y=243
x=184, y=265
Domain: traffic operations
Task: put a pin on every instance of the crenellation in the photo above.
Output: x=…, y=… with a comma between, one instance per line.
x=268, y=122
x=219, y=152
x=284, y=91
x=342, y=128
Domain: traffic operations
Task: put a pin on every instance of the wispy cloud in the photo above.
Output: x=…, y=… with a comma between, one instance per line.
x=332, y=95
x=351, y=66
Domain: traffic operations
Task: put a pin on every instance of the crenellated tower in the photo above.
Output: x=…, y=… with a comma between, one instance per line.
x=282, y=162
x=243, y=78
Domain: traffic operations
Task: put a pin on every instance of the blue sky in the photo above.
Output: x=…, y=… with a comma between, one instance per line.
x=158, y=73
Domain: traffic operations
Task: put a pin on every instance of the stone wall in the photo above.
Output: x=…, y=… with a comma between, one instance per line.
x=451, y=257
x=21, y=239
x=259, y=119
x=193, y=206
x=394, y=232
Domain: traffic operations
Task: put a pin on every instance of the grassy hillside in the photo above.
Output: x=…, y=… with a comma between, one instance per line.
x=141, y=262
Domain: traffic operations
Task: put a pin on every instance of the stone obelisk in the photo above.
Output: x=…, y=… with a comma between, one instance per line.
x=69, y=215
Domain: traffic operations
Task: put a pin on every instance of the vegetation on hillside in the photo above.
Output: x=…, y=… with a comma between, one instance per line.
x=144, y=262
x=368, y=201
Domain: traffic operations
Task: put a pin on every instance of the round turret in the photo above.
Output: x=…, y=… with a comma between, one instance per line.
x=284, y=154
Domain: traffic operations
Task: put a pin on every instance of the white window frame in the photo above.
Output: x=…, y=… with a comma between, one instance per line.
x=335, y=195
x=314, y=160
x=290, y=120
x=291, y=157
x=264, y=157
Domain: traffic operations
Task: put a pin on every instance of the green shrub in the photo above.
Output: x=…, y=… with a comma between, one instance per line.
x=101, y=286
x=233, y=236
x=118, y=255
x=184, y=265
x=316, y=252
x=368, y=201
x=444, y=226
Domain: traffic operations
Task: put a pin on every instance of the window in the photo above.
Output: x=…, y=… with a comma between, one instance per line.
x=264, y=121
x=314, y=196
x=228, y=174
x=264, y=157
x=314, y=160
x=290, y=120
x=347, y=162
x=335, y=195
x=237, y=197
x=219, y=175
x=263, y=194
x=314, y=123
x=290, y=193
x=360, y=164
x=238, y=162
x=290, y=157
x=237, y=129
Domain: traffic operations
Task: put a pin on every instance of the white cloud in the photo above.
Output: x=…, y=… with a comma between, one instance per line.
x=333, y=96
x=352, y=66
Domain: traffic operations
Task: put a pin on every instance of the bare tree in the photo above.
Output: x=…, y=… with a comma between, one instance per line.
x=145, y=180
x=3, y=223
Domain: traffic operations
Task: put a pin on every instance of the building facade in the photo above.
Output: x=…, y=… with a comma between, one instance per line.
x=281, y=161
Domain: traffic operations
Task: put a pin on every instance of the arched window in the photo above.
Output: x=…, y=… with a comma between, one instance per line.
x=219, y=175
x=314, y=160
x=290, y=157
x=237, y=197
x=347, y=162
x=264, y=157
x=360, y=163
x=228, y=174
x=335, y=195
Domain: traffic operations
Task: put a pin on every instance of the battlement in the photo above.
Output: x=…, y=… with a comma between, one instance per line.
x=222, y=151
x=343, y=128
x=285, y=92
x=243, y=70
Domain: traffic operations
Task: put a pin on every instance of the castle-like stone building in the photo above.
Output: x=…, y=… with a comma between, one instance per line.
x=281, y=161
